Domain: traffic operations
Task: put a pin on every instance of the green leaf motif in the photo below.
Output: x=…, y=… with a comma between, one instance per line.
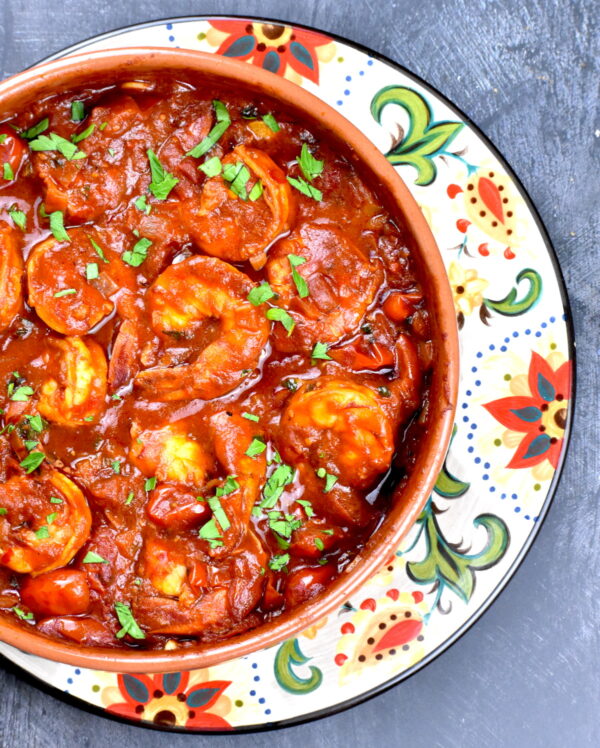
x=509, y=306
x=447, y=485
x=289, y=655
x=446, y=565
x=425, y=138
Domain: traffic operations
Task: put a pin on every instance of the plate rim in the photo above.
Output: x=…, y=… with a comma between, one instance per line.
x=501, y=585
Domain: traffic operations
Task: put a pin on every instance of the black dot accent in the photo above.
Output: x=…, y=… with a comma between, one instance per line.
x=405, y=647
x=382, y=626
x=501, y=188
x=281, y=48
x=553, y=440
x=482, y=213
x=420, y=638
x=392, y=652
x=473, y=199
x=370, y=640
x=505, y=200
x=379, y=657
x=491, y=174
x=560, y=398
x=390, y=568
x=249, y=28
x=361, y=658
x=191, y=714
x=139, y=709
x=542, y=428
x=509, y=232
x=544, y=406
x=494, y=223
x=261, y=47
x=393, y=617
x=158, y=694
x=181, y=697
x=408, y=614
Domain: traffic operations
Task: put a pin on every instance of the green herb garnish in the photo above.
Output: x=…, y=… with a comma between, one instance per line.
x=276, y=314
x=7, y=172
x=32, y=461
x=320, y=352
x=271, y=122
x=54, y=142
x=260, y=294
x=65, y=292
x=57, y=226
x=18, y=218
x=223, y=122
x=257, y=446
x=138, y=253
x=77, y=111
x=162, y=182
x=91, y=271
x=128, y=622
x=93, y=558
x=299, y=282
x=278, y=563
x=212, y=167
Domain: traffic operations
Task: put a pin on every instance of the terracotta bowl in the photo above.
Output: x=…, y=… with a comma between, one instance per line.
x=88, y=69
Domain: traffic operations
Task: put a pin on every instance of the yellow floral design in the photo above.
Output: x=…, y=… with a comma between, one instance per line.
x=467, y=288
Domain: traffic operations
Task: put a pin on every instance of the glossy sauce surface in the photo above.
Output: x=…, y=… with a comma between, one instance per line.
x=214, y=364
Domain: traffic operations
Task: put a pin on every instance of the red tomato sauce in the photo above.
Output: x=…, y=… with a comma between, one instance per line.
x=214, y=369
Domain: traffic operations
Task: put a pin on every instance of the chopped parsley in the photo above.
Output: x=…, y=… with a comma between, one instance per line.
x=18, y=218
x=138, y=253
x=3, y=511
x=42, y=532
x=256, y=191
x=129, y=498
x=150, y=483
x=93, y=558
x=259, y=294
x=128, y=622
x=310, y=512
x=57, y=226
x=83, y=135
x=277, y=314
x=32, y=461
x=320, y=352
x=7, y=172
x=162, y=182
x=36, y=423
x=257, y=447
x=250, y=417
x=54, y=142
x=3, y=137
x=310, y=166
x=319, y=544
x=65, y=292
x=116, y=467
x=210, y=532
x=91, y=271
x=20, y=613
x=283, y=524
x=142, y=204
x=77, y=111
x=30, y=444
x=22, y=394
x=330, y=480
x=278, y=563
x=237, y=175
x=299, y=282
x=305, y=188
x=55, y=500
x=281, y=477
x=212, y=167
x=230, y=485
x=219, y=513
x=223, y=122
x=271, y=122
x=98, y=250
x=36, y=130
x=51, y=517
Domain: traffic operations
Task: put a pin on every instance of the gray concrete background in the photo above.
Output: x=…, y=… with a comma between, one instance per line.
x=527, y=72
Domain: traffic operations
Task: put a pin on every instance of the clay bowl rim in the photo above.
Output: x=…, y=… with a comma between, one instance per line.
x=131, y=62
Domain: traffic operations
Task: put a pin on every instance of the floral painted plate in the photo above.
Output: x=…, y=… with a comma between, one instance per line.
x=512, y=423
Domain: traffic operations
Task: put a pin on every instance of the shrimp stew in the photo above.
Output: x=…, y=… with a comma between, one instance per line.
x=214, y=370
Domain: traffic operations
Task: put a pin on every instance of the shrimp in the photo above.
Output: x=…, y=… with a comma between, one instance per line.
x=237, y=228
x=172, y=456
x=38, y=535
x=188, y=294
x=341, y=426
x=341, y=282
x=66, y=298
x=87, y=186
x=11, y=274
x=196, y=597
x=76, y=395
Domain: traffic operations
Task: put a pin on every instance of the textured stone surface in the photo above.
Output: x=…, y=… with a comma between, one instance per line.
x=527, y=73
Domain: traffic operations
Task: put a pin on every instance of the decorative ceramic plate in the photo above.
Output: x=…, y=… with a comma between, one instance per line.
x=512, y=423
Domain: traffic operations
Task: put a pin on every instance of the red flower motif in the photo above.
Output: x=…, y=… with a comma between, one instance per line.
x=541, y=415
x=170, y=699
x=272, y=46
